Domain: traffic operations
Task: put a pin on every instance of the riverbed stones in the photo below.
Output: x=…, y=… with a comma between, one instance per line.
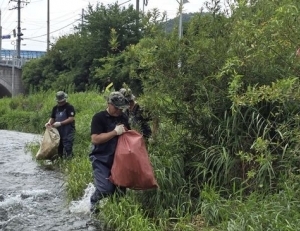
x=24, y=195
x=3, y=215
x=15, y=223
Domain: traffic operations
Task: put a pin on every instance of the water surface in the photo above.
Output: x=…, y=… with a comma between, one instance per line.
x=33, y=198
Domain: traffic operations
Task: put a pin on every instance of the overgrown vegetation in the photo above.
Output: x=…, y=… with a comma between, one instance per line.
x=225, y=96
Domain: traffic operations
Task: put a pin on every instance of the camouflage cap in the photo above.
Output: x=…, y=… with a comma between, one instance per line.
x=61, y=96
x=127, y=93
x=118, y=100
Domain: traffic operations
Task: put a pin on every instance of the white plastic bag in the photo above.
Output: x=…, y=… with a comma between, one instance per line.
x=49, y=144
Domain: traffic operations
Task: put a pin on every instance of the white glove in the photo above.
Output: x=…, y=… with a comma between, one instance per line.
x=47, y=124
x=120, y=129
x=56, y=124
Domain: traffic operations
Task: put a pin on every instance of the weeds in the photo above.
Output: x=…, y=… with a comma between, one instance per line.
x=222, y=185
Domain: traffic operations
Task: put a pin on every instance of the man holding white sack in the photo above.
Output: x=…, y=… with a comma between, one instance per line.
x=62, y=118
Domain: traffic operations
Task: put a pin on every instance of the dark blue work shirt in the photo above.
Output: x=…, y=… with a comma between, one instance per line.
x=62, y=112
x=103, y=122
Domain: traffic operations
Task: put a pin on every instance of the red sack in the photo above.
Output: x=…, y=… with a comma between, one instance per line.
x=132, y=168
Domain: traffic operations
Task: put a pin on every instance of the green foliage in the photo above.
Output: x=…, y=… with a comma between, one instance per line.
x=32, y=73
x=79, y=172
x=214, y=208
x=226, y=99
x=257, y=212
x=73, y=58
x=218, y=95
x=21, y=109
x=169, y=164
x=131, y=215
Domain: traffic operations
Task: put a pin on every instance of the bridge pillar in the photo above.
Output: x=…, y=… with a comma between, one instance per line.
x=8, y=87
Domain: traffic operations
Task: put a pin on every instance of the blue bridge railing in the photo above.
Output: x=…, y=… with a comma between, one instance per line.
x=24, y=54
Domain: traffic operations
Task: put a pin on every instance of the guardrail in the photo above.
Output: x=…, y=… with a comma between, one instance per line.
x=27, y=54
x=14, y=62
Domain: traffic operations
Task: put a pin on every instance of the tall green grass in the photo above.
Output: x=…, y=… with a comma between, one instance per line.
x=189, y=195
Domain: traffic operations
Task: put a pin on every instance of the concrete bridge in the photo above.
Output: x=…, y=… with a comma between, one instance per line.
x=11, y=71
x=11, y=77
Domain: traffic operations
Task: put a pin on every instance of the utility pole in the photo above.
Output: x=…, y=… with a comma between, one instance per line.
x=166, y=24
x=82, y=16
x=0, y=38
x=180, y=17
x=19, y=33
x=48, y=25
x=137, y=5
x=13, y=75
x=145, y=3
x=19, y=38
x=138, y=11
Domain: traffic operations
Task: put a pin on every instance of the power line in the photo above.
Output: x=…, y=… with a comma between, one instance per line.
x=36, y=40
x=74, y=13
x=1, y=4
x=40, y=24
x=36, y=1
x=53, y=24
x=54, y=30
x=6, y=15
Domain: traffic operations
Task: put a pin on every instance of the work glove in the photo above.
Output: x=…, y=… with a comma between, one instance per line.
x=47, y=124
x=56, y=124
x=120, y=129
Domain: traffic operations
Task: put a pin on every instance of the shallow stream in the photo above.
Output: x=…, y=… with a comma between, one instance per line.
x=32, y=197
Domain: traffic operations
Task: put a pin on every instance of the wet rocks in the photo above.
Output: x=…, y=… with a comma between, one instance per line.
x=24, y=195
x=3, y=215
x=14, y=224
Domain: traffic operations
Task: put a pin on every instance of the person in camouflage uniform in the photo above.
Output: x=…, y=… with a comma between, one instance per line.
x=138, y=118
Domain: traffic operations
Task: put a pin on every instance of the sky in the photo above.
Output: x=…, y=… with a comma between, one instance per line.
x=64, y=14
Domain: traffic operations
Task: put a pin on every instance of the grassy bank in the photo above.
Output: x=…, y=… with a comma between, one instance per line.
x=175, y=205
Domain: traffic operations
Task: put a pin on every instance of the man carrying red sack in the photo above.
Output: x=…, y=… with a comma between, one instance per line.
x=106, y=126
